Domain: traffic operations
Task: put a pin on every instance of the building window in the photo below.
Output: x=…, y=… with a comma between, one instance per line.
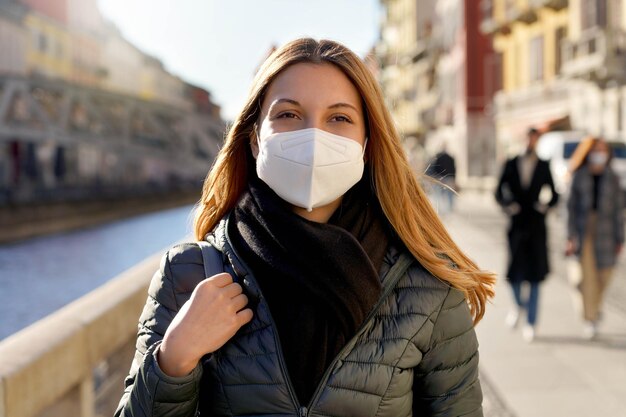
x=487, y=9
x=493, y=73
x=517, y=64
x=615, y=14
x=42, y=42
x=59, y=50
x=559, y=37
x=593, y=13
x=536, y=58
x=510, y=8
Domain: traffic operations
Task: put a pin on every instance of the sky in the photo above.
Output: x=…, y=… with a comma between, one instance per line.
x=218, y=44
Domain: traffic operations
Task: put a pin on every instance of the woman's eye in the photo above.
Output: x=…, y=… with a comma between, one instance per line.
x=287, y=115
x=340, y=118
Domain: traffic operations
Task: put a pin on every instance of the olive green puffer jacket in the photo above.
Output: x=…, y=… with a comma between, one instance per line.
x=416, y=353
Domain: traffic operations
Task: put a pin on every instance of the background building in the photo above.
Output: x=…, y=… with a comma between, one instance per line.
x=564, y=67
x=439, y=74
x=84, y=113
x=13, y=39
x=408, y=61
x=527, y=36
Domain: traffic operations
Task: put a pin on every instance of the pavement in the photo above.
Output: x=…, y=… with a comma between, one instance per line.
x=560, y=373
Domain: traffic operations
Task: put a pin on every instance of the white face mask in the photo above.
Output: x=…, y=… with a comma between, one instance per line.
x=598, y=158
x=309, y=168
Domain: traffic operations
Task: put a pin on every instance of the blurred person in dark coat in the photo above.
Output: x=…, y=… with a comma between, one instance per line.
x=595, y=224
x=522, y=180
x=443, y=168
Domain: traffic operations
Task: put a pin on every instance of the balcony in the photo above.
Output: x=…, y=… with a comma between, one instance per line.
x=512, y=14
x=550, y=4
x=599, y=55
x=517, y=14
x=489, y=24
x=517, y=102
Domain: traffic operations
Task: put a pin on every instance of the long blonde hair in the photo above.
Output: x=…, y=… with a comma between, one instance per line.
x=403, y=201
x=582, y=151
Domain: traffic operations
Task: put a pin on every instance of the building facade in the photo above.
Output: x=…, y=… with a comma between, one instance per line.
x=464, y=124
x=13, y=39
x=564, y=67
x=527, y=36
x=594, y=59
x=82, y=109
x=408, y=60
x=434, y=60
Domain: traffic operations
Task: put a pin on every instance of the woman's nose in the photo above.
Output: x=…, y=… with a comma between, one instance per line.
x=313, y=123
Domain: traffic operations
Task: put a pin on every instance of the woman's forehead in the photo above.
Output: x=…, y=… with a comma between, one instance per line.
x=600, y=145
x=311, y=82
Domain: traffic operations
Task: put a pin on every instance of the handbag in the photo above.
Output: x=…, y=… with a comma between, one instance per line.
x=574, y=272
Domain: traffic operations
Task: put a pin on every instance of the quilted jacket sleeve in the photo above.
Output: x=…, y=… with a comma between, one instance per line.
x=148, y=391
x=446, y=380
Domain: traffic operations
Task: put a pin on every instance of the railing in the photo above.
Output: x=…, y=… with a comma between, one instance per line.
x=557, y=90
x=518, y=14
x=552, y=4
x=72, y=363
x=514, y=12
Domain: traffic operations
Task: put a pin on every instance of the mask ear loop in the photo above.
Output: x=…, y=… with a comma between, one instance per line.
x=364, y=147
x=255, y=140
x=255, y=132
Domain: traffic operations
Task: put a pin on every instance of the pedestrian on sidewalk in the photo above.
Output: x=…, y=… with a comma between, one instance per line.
x=339, y=291
x=595, y=224
x=443, y=169
x=522, y=180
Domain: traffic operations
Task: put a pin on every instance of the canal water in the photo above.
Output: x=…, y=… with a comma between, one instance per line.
x=41, y=275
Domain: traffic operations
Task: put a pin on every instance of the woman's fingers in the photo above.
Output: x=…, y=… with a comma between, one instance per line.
x=218, y=304
x=244, y=316
x=232, y=290
x=220, y=280
x=240, y=301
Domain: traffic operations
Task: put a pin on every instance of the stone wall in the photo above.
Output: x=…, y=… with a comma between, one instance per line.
x=73, y=362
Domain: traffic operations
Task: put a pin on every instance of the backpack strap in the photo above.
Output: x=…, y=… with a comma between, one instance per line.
x=212, y=259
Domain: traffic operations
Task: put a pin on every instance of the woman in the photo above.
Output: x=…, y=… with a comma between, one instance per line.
x=329, y=303
x=595, y=224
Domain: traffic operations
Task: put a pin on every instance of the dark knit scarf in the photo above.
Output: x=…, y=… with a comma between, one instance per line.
x=320, y=280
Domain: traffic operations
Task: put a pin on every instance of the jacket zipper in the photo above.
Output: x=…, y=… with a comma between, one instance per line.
x=302, y=411
x=389, y=281
x=393, y=275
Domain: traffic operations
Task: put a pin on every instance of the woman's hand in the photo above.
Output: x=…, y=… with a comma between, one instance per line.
x=513, y=209
x=211, y=317
x=570, y=247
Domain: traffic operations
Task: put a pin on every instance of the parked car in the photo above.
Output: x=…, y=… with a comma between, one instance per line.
x=558, y=147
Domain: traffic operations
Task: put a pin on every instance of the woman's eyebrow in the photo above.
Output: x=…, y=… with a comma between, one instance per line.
x=284, y=100
x=296, y=103
x=337, y=105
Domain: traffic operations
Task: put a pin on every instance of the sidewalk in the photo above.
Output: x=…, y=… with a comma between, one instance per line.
x=560, y=373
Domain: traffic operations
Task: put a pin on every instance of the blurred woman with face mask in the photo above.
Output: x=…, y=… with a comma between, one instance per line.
x=595, y=224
